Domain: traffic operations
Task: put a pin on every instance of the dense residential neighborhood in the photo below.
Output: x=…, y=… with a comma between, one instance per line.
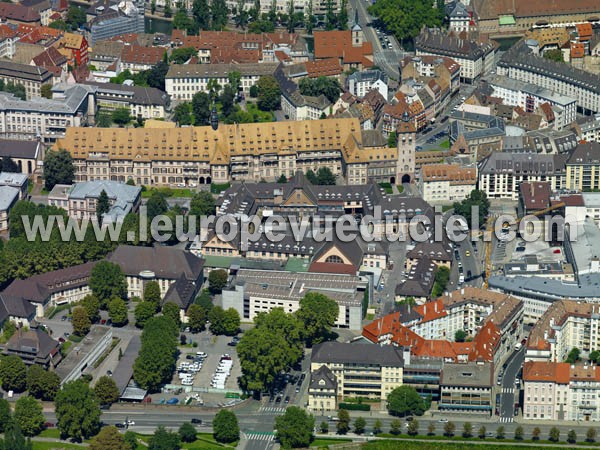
x=299, y=224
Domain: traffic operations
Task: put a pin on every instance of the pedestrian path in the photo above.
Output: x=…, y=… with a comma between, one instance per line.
x=506, y=419
x=258, y=436
x=271, y=409
x=508, y=390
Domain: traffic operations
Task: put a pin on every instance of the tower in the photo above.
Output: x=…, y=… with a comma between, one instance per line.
x=405, y=165
x=357, y=34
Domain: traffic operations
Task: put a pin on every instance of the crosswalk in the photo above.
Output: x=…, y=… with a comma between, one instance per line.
x=260, y=436
x=508, y=390
x=506, y=419
x=271, y=409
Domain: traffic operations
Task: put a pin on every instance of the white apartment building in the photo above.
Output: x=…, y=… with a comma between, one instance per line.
x=43, y=118
x=501, y=173
x=524, y=64
x=319, y=7
x=530, y=96
x=447, y=183
x=184, y=80
x=560, y=391
x=30, y=77
x=360, y=83
x=304, y=107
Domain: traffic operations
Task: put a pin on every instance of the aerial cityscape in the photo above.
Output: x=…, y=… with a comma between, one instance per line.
x=277, y=224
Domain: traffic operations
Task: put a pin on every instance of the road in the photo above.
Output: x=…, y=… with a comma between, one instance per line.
x=386, y=59
x=508, y=388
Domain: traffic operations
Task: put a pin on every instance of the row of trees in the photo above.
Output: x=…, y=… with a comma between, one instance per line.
x=329, y=87
x=277, y=341
x=39, y=382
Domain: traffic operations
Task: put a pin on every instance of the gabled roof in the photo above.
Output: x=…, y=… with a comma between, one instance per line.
x=182, y=293
x=50, y=57
x=323, y=378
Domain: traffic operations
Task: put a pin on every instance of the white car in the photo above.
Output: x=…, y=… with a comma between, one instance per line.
x=443, y=420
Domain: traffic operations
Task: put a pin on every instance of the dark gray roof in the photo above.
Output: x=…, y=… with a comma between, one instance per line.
x=438, y=42
x=467, y=375
x=19, y=149
x=420, y=279
x=182, y=293
x=346, y=353
x=32, y=341
x=24, y=71
x=139, y=95
x=11, y=306
x=587, y=153
x=165, y=262
x=124, y=371
x=323, y=378
x=523, y=163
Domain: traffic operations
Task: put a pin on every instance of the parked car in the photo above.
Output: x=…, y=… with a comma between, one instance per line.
x=443, y=420
x=196, y=421
x=172, y=401
x=120, y=425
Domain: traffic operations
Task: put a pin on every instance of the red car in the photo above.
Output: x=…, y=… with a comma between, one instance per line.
x=556, y=251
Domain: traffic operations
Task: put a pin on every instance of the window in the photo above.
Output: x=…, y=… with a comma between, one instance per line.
x=334, y=259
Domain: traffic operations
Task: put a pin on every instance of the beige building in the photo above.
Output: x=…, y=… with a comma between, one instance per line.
x=447, y=183
x=248, y=152
x=31, y=77
x=322, y=390
x=583, y=168
x=561, y=391
x=360, y=371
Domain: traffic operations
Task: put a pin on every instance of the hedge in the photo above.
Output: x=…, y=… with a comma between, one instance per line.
x=355, y=406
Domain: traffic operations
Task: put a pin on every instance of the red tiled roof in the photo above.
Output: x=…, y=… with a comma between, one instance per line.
x=585, y=31
x=485, y=343
x=323, y=267
x=535, y=195
x=50, y=57
x=431, y=310
x=6, y=32
x=338, y=44
x=553, y=372
x=577, y=50
x=18, y=13
x=323, y=68
x=136, y=54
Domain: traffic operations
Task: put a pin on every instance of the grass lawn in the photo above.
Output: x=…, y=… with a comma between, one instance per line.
x=50, y=433
x=400, y=188
x=423, y=445
x=445, y=144
x=325, y=442
x=169, y=192
x=56, y=446
x=387, y=187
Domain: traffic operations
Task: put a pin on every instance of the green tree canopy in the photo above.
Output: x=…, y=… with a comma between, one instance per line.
x=225, y=322
x=182, y=114
x=109, y=438
x=106, y=390
x=171, y=310
x=295, y=428
x=225, y=427
x=478, y=201
x=269, y=93
x=573, y=355
x=102, y=205
x=359, y=425
x=29, y=415
x=143, y=312
x=91, y=304
x=182, y=54
x=117, y=311
x=318, y=314
x=187, y=432
x=204, y=300
x=201, y=108
x=217, y=279
x=81, y=321
x=13, y=374
x=405, y=400
x=152, y=294
x=460, y=336
x=107, y=281
x=41, y=383
x=202, y=204
x=58, y=168
x=5, y=415
x=196, y=318
x=329, y=87
x=77, y=411
x=164, y=440
x=343, y=423
x=405, y=18
x=554, y=54
x=156, y=205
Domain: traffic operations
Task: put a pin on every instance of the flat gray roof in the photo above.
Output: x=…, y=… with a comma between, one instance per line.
x=469, y=375
x=81, y=350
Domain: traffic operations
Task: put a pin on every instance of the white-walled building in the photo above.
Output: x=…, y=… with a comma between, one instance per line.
x=360, y=83
x=447, y=183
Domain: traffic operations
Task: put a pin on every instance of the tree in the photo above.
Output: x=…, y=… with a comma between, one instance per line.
x=225, y=427
x=392, y=140
x=555, y=54
x=467, y=430
x=343, y=424
x=5, y=415
x=295, y=428
x=253, y=91
x=201, y=107
x=413, y=427
x=182, y=114
x=143, y=312
x=13, y=374
x=152, y=294
x=81, y=321
x=405, y=400
x=103, y=119
x=325, y=177
x=359, y=425
x=478, y=201
x=58, y=168
x=449, y=429
x=109, y=438
x=405, y=18
x=500, y=433
x=171, y=310
x=342, y=18
x=155, y=363
x=157, y=205
x=218, y=14
x=167, y=10
x=201, y=13
x=121, y=116
x=202, y=204
x=329, y=87
x=595, y=356
x=324, y=427
x=41, y=383
x=131, y=439
x=29, y=416
x=460, y=336
x=102, y=205
x=318, y=313
x=217, y=279
x=431, y=429
x=164, y=440
x=573, y=355
x=182, y=21
x=106, y=390
x=572, y=437
x=117, y=310
x=269, y=94
x=8, y=165
x=75, y=17
x=107, y=281
x=227, y=99
x=204, y=300
x=535, y=434
x=225, y=322
x=442, y=276
x=187, y=432
x=481, y=433
x=77, y=411
x=590, y=435
x=235, y=80
x=519, y=433
x=196, y=318
x=271, y=347
x=377, y=427
x=92, y=307
x=395, y=427
x=554, y=434
x=14, y=439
